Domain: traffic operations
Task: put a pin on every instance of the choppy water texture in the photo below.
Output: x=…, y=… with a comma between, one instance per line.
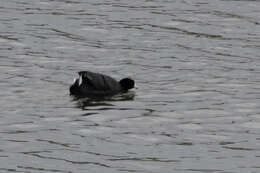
x=196, y=63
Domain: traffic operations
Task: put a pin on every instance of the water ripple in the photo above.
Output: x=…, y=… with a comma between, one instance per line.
x=195, y=63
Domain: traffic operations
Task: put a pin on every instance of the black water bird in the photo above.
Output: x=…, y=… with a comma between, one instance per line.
x=90, y=84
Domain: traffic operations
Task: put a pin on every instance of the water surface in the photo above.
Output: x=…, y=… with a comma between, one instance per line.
x=196, y=64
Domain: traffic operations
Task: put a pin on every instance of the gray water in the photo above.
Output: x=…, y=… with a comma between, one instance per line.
x=196, y=64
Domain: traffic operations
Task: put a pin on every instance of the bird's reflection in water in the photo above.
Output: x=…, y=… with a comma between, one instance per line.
x=86, y=103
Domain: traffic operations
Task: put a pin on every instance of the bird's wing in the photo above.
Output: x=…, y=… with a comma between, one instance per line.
x=98, y=81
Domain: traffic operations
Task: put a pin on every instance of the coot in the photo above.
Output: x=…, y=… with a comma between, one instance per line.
x=95, y=84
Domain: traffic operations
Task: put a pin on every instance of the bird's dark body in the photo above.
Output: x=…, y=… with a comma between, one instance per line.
x=95, y=84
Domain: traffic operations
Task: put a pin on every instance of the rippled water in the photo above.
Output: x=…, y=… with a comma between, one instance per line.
x=196, y=63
